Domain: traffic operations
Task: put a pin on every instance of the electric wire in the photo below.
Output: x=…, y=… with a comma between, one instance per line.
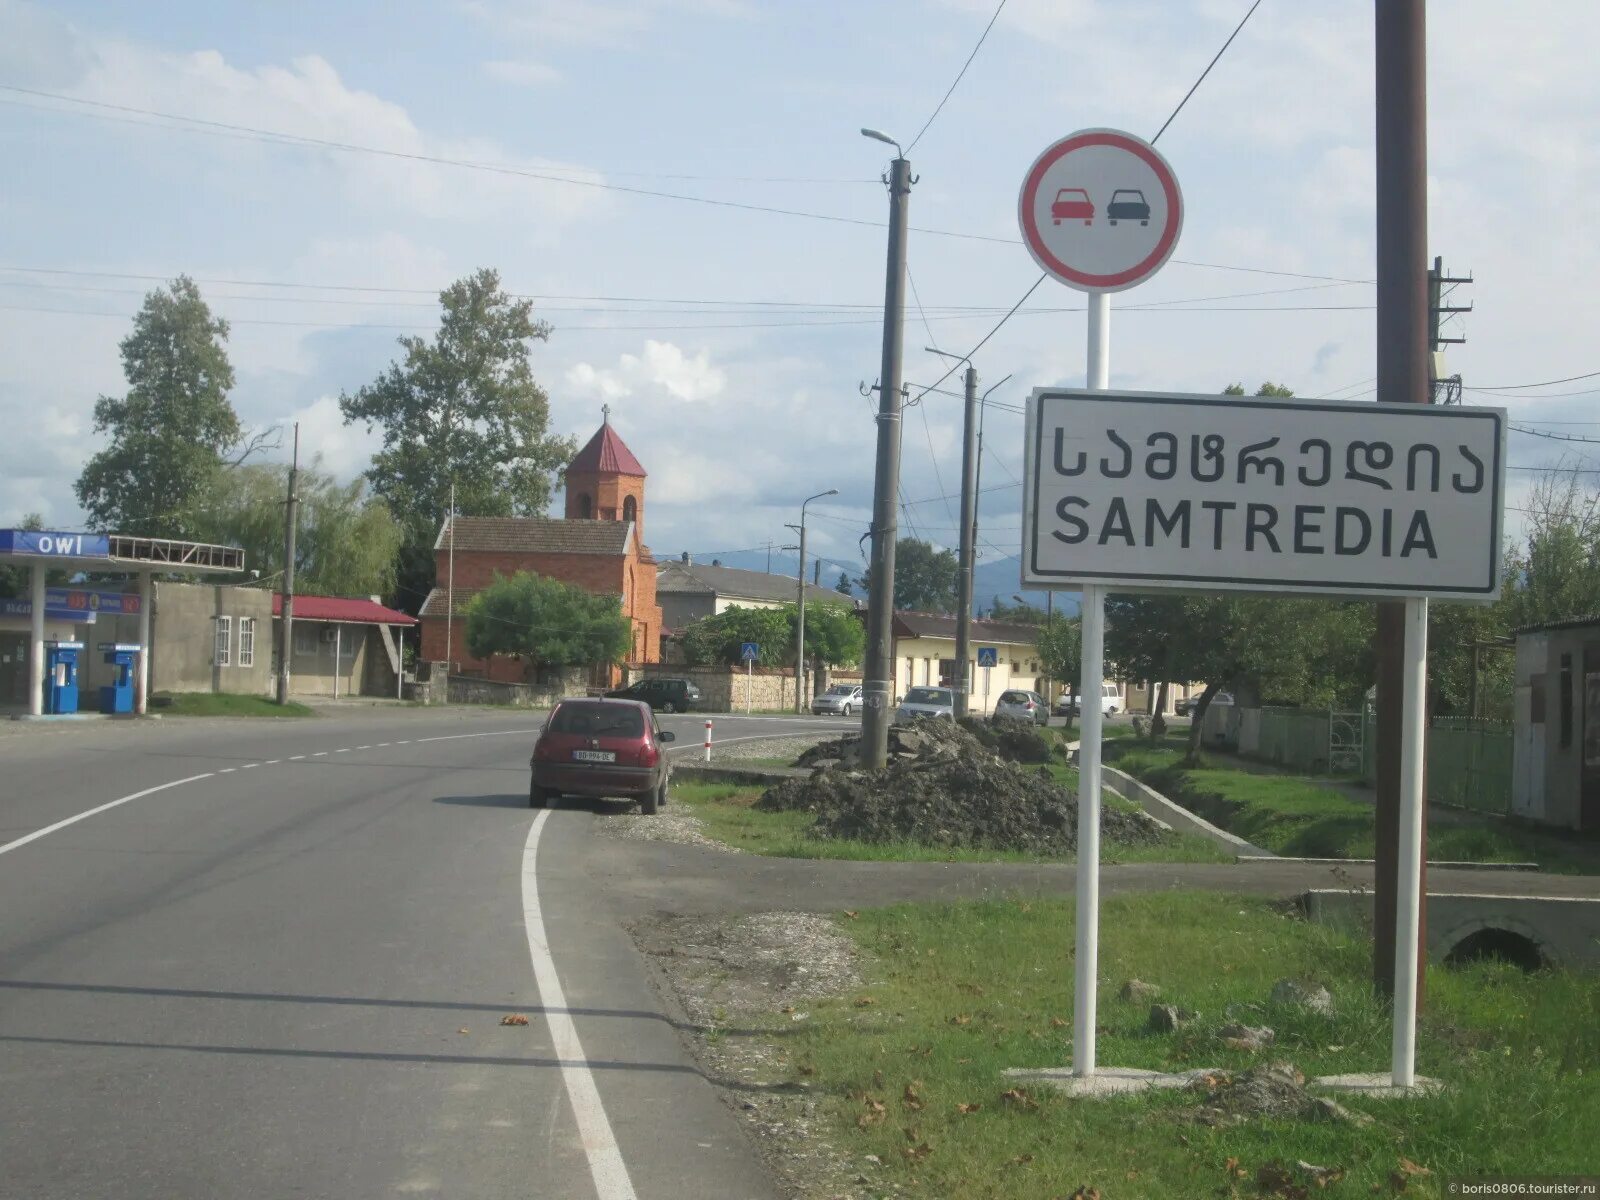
x=939, y=108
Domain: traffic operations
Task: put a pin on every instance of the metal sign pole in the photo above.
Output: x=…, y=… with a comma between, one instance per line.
x=1408, y=908
x=1093, y=625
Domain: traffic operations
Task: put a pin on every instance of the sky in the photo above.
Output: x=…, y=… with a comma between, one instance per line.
x=730, y=344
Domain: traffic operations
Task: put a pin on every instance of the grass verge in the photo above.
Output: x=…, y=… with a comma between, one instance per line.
x=909, y=1070
x=1298, y=816
x=728, y=814
x=224, y=704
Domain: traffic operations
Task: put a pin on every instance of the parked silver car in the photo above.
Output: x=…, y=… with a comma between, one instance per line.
x=842, y=699
x=1023, y=705
x=926, y=702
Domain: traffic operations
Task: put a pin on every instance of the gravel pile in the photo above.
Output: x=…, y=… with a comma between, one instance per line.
x=942, y=787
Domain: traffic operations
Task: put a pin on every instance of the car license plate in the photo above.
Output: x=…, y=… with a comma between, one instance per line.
x=609, y=756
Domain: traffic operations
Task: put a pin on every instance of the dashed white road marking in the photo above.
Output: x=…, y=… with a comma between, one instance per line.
x=272, y=762
x=296, y=757
x=73, y=820
x=228, y=770
x=249, y=766
x=363, y=747
x=610, y=1173
x=343, y=750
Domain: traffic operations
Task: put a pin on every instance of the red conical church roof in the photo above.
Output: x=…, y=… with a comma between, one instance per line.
x=606, y=455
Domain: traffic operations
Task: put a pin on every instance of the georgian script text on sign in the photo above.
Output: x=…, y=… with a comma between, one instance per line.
x=1140, y=491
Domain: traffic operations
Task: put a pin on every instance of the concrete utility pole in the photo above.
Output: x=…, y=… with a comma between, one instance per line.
x=1403, y=353
x=291, y=510
x=969, y=538
x=800, y=604
x=879, y=681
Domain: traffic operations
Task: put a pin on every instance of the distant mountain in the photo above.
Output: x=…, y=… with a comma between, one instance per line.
x=990, y=579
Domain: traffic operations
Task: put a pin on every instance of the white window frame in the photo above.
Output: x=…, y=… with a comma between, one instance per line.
x=222, y=643
x=247, y=641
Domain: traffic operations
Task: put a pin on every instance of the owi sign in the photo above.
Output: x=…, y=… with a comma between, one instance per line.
x=1149, y=491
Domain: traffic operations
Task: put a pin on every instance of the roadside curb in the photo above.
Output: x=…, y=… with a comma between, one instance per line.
x=703, y=772
x=1176, y=815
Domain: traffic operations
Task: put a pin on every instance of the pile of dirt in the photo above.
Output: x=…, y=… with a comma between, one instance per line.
x=942, y=787
x=923, y=740
x=1012, y=739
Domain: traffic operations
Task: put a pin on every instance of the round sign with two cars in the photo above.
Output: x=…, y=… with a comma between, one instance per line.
x=1100, y=210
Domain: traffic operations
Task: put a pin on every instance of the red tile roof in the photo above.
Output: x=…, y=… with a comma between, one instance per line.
x=606, y=454
x=341, y=608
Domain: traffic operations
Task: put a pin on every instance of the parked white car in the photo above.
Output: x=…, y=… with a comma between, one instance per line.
x=1110, y=701
x=842, y=699
x=926, y=702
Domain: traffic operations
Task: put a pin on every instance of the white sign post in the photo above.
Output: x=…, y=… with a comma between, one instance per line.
x=1101, y=211
x=1165, y=492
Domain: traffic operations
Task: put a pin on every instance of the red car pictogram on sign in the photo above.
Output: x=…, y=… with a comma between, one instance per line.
x=1072, y=204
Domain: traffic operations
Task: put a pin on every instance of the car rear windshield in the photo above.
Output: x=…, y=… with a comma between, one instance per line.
x=927, y=696
x=1014, y=698
x=594, y=720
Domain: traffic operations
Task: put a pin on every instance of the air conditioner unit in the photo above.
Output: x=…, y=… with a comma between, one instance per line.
x=326, y=634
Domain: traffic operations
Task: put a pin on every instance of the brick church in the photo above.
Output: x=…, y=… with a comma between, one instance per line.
x=598, y=546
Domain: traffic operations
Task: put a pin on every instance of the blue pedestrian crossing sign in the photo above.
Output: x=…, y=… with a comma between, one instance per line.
x=749, y=652
x=988, y=656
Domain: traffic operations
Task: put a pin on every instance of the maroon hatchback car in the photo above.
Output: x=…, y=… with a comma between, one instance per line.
x=601, y=748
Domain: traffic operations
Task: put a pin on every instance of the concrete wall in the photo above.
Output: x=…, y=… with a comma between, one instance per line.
x=466, y=689
x=1566, y=930
x=1549, y=716
x=184, y=622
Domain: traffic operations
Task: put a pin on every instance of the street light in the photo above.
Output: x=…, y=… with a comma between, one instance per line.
x=800, y=595
x=879, y=136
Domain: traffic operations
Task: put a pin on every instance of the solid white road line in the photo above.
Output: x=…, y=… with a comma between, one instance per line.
x=39, y=833
x=610, y=1173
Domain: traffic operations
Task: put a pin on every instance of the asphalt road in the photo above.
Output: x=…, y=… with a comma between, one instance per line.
x=280, y=967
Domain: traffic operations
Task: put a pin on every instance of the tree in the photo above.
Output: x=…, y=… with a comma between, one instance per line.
x=834, y=637
x=17, y=580
x=463, y=408
x=718, y=639
x=1266, y=389
x=175, y=427
x=1060, y=647
x=924, y=577
x=843, y=586
x=547, y=622
x=346, y=539
x=1020, y=613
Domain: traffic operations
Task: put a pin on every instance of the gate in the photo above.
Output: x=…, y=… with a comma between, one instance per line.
x=1346, y=742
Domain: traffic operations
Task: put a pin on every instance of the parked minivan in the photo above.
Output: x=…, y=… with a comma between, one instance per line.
x=1110, y=701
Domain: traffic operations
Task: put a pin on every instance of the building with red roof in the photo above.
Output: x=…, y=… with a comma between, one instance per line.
x=598, y=545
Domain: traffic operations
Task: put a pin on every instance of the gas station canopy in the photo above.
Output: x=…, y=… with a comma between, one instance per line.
x=141, y=557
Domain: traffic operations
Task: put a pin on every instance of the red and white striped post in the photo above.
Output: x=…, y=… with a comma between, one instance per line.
x=708, y=739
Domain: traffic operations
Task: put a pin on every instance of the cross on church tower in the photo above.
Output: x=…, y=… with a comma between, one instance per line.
x=605, y=414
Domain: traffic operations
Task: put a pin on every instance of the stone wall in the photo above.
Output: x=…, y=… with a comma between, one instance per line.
x=467, y=689
x=727, y=689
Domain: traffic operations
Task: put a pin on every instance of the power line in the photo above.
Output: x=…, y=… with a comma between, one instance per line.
x=274, y=138
x=201, y=124
x=1555, y=437
x=1517, y=387
x=999, y=8
x=1042, y=274
x=1206, y=72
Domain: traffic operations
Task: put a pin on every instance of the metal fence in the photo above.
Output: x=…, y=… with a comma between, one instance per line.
x=1469, y=761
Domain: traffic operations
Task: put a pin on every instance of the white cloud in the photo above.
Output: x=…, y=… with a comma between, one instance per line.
x=522, y=73
x=663, y=367
x=589, y=22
